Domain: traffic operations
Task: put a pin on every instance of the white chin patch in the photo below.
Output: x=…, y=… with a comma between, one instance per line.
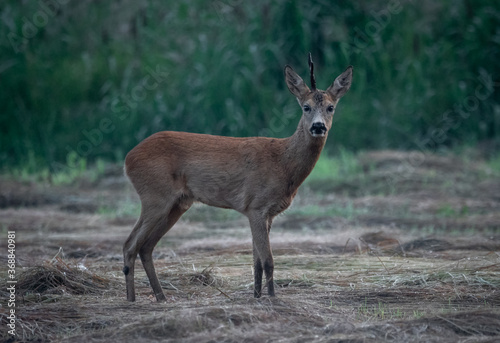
x=318, y=134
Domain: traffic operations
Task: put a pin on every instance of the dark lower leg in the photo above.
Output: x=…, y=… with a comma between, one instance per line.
x=257, y=288
x=129, y=281
x=129, y=256
x=269, y=270
x=147, y=262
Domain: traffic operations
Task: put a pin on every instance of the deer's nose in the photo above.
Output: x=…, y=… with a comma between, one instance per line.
x=318, y=129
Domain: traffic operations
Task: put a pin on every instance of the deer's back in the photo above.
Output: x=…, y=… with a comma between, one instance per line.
x=220, y=171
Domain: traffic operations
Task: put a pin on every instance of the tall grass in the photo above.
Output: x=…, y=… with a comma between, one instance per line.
x=86, y=80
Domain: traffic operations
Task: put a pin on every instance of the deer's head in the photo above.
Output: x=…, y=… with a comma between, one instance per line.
x=318, y=106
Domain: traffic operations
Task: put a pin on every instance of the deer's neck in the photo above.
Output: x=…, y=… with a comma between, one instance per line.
x=301, y=154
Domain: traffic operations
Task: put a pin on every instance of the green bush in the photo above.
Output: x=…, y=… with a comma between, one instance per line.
x=94, y=78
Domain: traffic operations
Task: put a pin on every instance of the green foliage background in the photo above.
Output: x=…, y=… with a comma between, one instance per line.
x=81, y=80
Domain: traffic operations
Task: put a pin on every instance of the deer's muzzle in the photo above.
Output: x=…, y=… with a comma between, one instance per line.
x=318, y=129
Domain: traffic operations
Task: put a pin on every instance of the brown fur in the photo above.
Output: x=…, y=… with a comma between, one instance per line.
x=256, y=176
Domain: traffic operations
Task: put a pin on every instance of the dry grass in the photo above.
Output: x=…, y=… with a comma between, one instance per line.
x=350, y=296
x=57, y=277
x=340, y=278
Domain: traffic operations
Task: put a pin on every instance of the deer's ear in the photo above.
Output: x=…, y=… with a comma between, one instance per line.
x=295, y=84
x=341, y=84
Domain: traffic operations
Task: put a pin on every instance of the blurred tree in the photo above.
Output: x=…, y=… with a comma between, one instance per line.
x=426, y=75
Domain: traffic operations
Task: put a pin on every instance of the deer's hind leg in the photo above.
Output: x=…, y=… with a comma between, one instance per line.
x=129, y=256
x=153, y=224
x=146, y=251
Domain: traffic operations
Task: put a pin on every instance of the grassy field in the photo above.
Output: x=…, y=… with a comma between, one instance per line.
x=379, y=246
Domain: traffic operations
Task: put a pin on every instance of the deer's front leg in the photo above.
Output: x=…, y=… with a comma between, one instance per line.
x=269, y=271
x=262, y=255
x=257, y=273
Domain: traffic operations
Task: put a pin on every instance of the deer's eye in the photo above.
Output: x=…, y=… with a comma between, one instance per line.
x=330, y=108
x=307, y=108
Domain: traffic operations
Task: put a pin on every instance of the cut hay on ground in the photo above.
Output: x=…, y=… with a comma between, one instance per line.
x=386, y=254
x=57, y=277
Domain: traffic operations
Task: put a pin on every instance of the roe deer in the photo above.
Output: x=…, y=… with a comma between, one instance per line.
x=255, y=176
